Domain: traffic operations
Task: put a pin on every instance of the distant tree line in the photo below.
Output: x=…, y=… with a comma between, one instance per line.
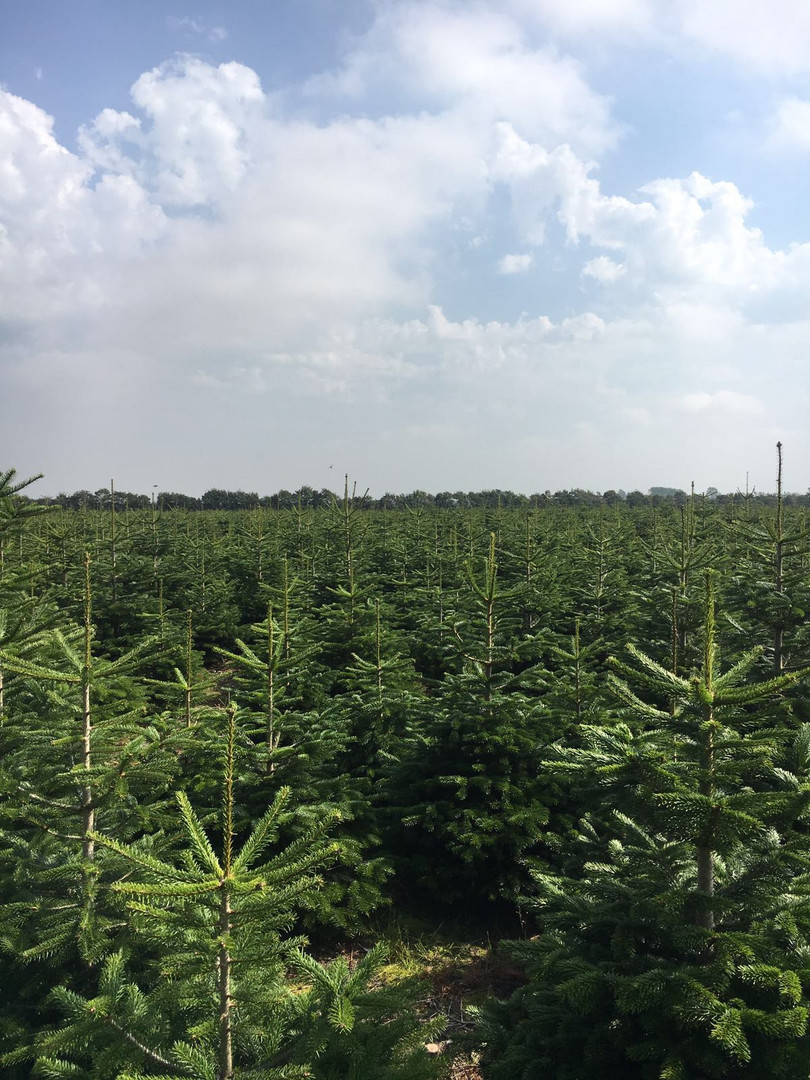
x=308, y=498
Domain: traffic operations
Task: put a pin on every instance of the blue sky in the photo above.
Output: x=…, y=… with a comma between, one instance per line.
x=528, y=244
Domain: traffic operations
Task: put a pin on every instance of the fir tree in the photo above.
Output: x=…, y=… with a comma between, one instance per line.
x=468, y=793
x=71, y=757
x=219, y=1005
x=680, y=948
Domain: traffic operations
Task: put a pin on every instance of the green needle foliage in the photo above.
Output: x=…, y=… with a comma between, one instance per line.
x=69, y=763
x=220, y=1004
x=217, y=926
x=680, y=949
x=469, y=798
x=187, y=684
x=434, y=679
x=13, y=511
x=265, y=678
x=353, y=1030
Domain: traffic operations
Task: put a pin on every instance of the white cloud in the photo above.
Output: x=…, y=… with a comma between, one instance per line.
x=516, y=264
x=587, y=17
x=774, y=37
x=112, y=143
x=300, y=222
x=200, y=118
x=770, y=40
x=604, y=269
x=329, y=220
x=59, y=232
x=681, y=236
x=479, y=64
x=197, y=142
x=790, y=125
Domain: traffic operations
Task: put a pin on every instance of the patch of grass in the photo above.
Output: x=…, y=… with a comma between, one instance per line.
x=458, y=971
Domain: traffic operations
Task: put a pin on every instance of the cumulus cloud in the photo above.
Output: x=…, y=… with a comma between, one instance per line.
x=284, y=222
x=197, y=135
x=516, y=264
x=604, y=269
x=58, y=230
x=477, y=63
x=674, y=236
x=677, y=236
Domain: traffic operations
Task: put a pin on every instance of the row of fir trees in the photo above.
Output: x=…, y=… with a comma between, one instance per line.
x=231, y=740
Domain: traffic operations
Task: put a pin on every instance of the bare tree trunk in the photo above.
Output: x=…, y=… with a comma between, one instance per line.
x=87, y=807
x=272, y=738
x=778, y=633
x=706, y=844
x=224, y=960
x=225, y=1002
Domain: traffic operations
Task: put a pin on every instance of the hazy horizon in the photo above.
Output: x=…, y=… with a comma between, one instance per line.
x=338, y=488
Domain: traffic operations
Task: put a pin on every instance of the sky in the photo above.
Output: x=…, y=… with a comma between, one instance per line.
x=525, y=244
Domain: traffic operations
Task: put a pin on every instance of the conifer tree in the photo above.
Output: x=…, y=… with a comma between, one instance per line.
x=266, y=678
x=275, y=680
x=468, y=796
x=679, y=948
x=769, y=581
x=353, y=1029
x=69, y=758
x=383, y=698
x=219, y=1005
